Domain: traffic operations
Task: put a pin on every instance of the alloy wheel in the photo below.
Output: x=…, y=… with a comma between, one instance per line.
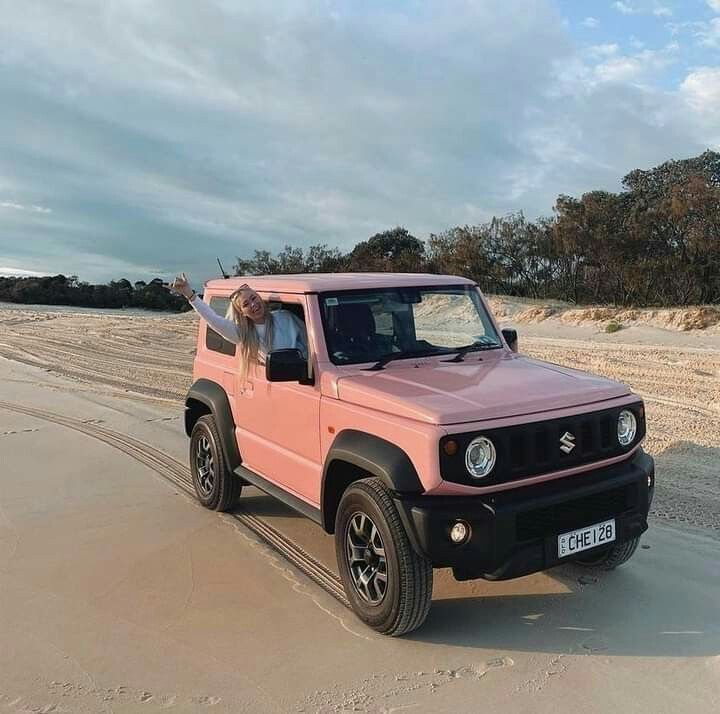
x=205, y=466
x=365, y=552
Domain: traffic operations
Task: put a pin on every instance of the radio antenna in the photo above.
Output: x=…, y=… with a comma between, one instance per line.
x=222, y=270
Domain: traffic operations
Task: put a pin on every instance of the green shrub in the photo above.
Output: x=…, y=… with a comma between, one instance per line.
x=612, y=327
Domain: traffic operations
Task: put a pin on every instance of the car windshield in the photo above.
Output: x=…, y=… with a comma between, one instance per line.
x=369, y=325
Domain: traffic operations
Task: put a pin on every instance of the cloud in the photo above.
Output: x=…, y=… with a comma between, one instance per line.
x=644, y=9
x=709, y=33
x=624, y=8
x=590, y=22
x=636, y=67
x=7, y=272
x=162, y=134
x=714, y=5
x=21, y=207
x=700, y=93
x=293, y=125
x=605, y=50
x=701, y=89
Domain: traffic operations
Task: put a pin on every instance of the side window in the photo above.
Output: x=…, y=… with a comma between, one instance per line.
x=296, y=309
x=213, y=341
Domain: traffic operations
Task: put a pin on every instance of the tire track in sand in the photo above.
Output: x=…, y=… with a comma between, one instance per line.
x=178, y=475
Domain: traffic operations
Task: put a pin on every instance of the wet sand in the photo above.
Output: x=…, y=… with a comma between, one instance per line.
x=119, y=593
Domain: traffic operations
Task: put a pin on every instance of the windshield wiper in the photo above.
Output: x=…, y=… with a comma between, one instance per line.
x=474, y=347
x=380, y=364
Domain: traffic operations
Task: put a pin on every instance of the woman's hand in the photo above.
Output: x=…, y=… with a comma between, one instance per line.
x=181, y=286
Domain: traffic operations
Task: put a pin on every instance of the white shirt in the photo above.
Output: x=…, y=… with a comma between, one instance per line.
x=288, y=330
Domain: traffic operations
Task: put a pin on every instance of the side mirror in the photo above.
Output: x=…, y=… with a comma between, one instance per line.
x=285, y=366
x=511, y=338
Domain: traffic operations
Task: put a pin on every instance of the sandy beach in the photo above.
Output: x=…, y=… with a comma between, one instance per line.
x=118, y=593
x=148, y=357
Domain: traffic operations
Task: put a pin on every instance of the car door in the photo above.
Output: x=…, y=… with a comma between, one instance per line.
x=277, y=423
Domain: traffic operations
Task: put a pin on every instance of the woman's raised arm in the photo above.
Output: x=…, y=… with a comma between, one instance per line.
x=224, y=327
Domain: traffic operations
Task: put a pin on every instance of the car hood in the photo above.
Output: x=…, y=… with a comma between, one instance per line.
x=441, y=393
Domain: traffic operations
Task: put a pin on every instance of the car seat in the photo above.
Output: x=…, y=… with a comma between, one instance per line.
x=352, y=330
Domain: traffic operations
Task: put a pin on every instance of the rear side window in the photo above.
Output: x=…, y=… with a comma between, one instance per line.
x=213, y=341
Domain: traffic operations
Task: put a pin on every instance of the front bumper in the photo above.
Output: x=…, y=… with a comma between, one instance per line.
x=514, y=532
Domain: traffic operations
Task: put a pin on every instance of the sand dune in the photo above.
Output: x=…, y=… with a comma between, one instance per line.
x=682, y=319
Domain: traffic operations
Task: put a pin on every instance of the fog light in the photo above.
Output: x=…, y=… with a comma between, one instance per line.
x=460, y=532
x=450, y=447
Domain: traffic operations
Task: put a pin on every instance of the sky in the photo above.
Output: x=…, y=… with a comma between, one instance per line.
x=141, y=138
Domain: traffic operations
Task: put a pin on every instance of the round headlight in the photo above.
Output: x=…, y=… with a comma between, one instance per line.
x=480, y=457
x=626, y=427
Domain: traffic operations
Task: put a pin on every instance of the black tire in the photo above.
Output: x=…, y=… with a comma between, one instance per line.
x=407, y=595
x=611, y=557
x=217, y=489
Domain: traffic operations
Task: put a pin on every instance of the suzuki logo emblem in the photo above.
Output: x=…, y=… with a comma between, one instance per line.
x=567, y=442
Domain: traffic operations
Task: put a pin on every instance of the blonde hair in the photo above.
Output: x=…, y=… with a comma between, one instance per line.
x=249, y=341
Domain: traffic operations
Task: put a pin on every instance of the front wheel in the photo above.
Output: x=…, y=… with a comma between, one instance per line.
x=216, y=486
x=388, y=584
x=612, y=557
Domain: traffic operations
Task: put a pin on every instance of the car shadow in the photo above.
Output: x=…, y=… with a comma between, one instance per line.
x=257, y=503
x=621, y=612
x=664, y=602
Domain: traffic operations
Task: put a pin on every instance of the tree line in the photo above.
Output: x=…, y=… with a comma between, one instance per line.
x=656, y=242
x=62, y=290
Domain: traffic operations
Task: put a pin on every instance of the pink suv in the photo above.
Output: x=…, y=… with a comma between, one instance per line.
x=417, y=434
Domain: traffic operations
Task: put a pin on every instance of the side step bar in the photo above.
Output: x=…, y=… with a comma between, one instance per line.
x=297, y=504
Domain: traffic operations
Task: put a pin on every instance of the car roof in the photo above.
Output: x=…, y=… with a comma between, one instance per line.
x=323, y=282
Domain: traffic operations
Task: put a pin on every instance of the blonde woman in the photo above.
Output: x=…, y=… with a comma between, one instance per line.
x=248, y=323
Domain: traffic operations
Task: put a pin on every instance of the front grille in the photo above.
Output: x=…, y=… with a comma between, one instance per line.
x=567, y=516
x=534, y=448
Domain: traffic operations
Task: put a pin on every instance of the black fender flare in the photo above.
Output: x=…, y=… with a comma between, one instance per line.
x=214, y=397
x=371, y=455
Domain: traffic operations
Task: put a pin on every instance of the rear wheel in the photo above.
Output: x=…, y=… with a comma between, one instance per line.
x=216, y=486
x=611, y=557
x=388, y=584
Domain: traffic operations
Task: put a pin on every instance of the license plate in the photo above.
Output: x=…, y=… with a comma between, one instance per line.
x=586, y=538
